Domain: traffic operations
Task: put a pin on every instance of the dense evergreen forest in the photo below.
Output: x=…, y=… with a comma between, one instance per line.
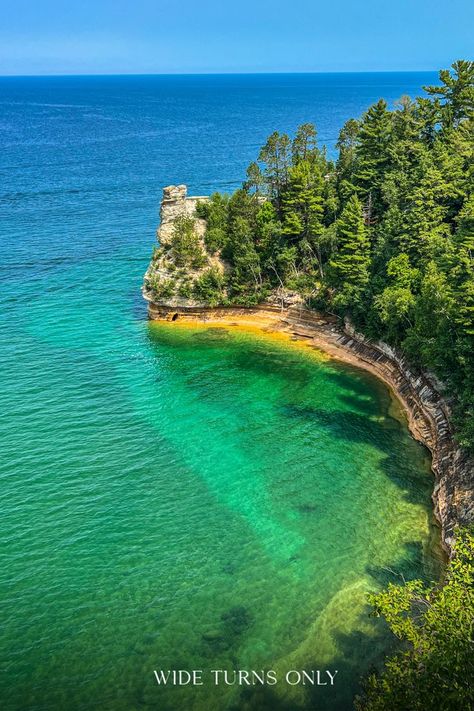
x=385, y=234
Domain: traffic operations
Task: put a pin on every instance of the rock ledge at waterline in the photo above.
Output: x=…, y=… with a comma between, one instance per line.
x=428, y=411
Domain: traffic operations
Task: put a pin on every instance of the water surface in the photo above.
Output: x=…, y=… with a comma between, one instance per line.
x=173, y=496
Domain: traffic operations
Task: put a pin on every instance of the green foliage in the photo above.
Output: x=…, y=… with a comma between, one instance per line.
x=396, y=303
x=385, y=234
x=161, y=288
x=185, y=245
x=349, y=265
x=215, y=239
x=435, y=668
x=214, y=212
x=302, y=202
x=372, y=157
x=275, y=155
x=210, y=287
x=456, y=94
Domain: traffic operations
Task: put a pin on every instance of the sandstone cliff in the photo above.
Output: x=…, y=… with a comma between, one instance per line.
x=180, y=264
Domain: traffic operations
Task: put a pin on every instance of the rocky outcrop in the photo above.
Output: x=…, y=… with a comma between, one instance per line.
x=428, y=409
x=180, y=259
x=175, y=203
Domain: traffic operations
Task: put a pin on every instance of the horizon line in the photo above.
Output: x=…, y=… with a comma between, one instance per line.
x=201, y=74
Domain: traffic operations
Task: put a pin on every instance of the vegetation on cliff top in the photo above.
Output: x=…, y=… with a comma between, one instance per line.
x=385, y=234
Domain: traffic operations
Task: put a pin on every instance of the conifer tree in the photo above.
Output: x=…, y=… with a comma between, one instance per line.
x=465, y=233
x=304, y=146
x=465, y=268
x=424, y=232
x=349, y=266
x=456, y=94
x=372, y=157
x=255, y=180
x=275, y=154
x=346, y=162
x=303, y=208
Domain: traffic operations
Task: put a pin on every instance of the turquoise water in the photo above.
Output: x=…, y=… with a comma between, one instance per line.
x=175, y=497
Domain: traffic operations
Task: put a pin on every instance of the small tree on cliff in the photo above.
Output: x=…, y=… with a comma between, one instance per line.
x=349, y=266
x=185, y=244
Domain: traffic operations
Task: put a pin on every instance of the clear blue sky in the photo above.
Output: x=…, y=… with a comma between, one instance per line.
x=155, y=36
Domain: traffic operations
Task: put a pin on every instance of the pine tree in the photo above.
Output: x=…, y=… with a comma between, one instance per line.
x=456, y=95
x=372, y=156
x=424, y=230
x=255, y=179
x=465, y=268
x=346, y=162
x=275, y=154
x=349, y=266
x=303, y=208
x=304, y=145
x=465, y=233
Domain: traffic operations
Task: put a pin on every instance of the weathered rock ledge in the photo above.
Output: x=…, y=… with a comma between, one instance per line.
x=427, y=410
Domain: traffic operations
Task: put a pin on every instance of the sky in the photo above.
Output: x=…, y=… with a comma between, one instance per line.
x=213, y=36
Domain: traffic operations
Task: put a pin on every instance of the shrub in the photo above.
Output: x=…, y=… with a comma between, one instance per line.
x=187, y=250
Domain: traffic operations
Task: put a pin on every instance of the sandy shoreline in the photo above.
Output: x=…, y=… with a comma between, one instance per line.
x=273, y=324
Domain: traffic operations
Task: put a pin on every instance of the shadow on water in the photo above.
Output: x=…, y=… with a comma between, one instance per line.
x=226, y=635
x=412, y=564
x=359, y=429
x=358, y=652
x=348, y=681
x=264, y=699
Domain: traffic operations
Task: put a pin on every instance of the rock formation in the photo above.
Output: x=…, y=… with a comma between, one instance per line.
x=181, y=260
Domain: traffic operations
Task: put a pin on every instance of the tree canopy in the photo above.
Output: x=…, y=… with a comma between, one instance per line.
x=435, y=668
x=384, y=234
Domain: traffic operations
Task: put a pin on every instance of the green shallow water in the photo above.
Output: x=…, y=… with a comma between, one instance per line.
x=172, y=497
x=196, y=498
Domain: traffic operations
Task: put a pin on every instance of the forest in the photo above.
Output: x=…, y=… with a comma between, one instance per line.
x=384, y=234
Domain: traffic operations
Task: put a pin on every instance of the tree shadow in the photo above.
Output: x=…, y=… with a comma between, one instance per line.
x=264, y=699
x=356, y=428
x=412, y=564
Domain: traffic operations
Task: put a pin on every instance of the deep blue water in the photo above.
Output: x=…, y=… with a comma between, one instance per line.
x=83, y=159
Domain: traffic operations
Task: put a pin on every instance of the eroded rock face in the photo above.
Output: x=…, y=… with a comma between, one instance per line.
x=171, y=277
x=175, y=204
x=430, y=418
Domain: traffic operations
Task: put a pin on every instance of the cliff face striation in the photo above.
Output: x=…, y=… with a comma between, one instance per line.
x=428, y=410
x=181, y=266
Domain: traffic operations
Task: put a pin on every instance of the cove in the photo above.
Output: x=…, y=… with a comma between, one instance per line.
x=150, y=516
x=315, y=495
